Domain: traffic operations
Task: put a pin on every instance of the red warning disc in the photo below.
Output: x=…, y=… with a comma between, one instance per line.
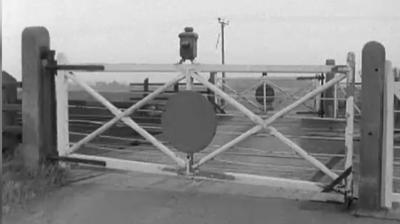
x=189, y=122
x=269, y=93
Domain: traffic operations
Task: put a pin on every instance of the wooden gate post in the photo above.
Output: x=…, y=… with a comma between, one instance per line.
x=38, y=99
x=146, y=87
x=370, y=164
x=210, y=94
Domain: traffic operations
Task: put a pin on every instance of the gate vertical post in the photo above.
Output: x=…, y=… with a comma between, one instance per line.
x=349, y=130
x=38, y=99
x=189, y=80
x=321, y=96
x=388, y=138
x=328, y=103
x=373, y=72
x=61, y=82
x=264, y=76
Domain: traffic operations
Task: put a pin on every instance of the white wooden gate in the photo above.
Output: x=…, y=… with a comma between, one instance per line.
x=390, y=144
x=193, y=71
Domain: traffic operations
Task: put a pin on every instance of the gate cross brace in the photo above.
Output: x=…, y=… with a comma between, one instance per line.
x=123, y=115
x=265, y=124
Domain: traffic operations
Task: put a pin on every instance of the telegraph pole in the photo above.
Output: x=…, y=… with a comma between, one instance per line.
x=223, y=23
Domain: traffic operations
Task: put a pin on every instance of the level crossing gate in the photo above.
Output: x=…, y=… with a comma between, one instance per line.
x=185, y=164
x=189, y=72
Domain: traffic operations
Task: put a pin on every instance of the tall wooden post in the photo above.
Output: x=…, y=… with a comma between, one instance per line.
x=38, y=99
x=176, y=87
x=373, y=71
x=396, y=74
x=146, y=87
x=328, y=105
x=210, y=94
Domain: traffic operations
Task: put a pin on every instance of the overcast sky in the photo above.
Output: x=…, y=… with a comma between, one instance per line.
x=260, y=31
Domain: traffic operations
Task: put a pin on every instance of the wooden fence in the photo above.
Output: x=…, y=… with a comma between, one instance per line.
x=11, y=112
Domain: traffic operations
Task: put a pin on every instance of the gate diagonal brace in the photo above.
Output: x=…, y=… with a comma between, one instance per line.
x=330, y=187
x=265, y=124
x=120, y=115
x=288, y=95
x=241, y=96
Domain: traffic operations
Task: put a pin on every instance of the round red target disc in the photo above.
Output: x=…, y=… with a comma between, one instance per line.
x=189, y=122
x=269, y=93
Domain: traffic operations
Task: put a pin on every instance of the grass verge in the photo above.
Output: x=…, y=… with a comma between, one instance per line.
x=20, y=185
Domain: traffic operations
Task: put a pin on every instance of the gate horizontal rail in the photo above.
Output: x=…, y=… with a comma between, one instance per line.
x=201, y=68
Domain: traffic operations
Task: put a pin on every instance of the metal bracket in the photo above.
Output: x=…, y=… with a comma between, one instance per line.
x=48, y=61
x=345, y=174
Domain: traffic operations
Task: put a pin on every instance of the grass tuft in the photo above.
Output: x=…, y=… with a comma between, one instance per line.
x=20, y=185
